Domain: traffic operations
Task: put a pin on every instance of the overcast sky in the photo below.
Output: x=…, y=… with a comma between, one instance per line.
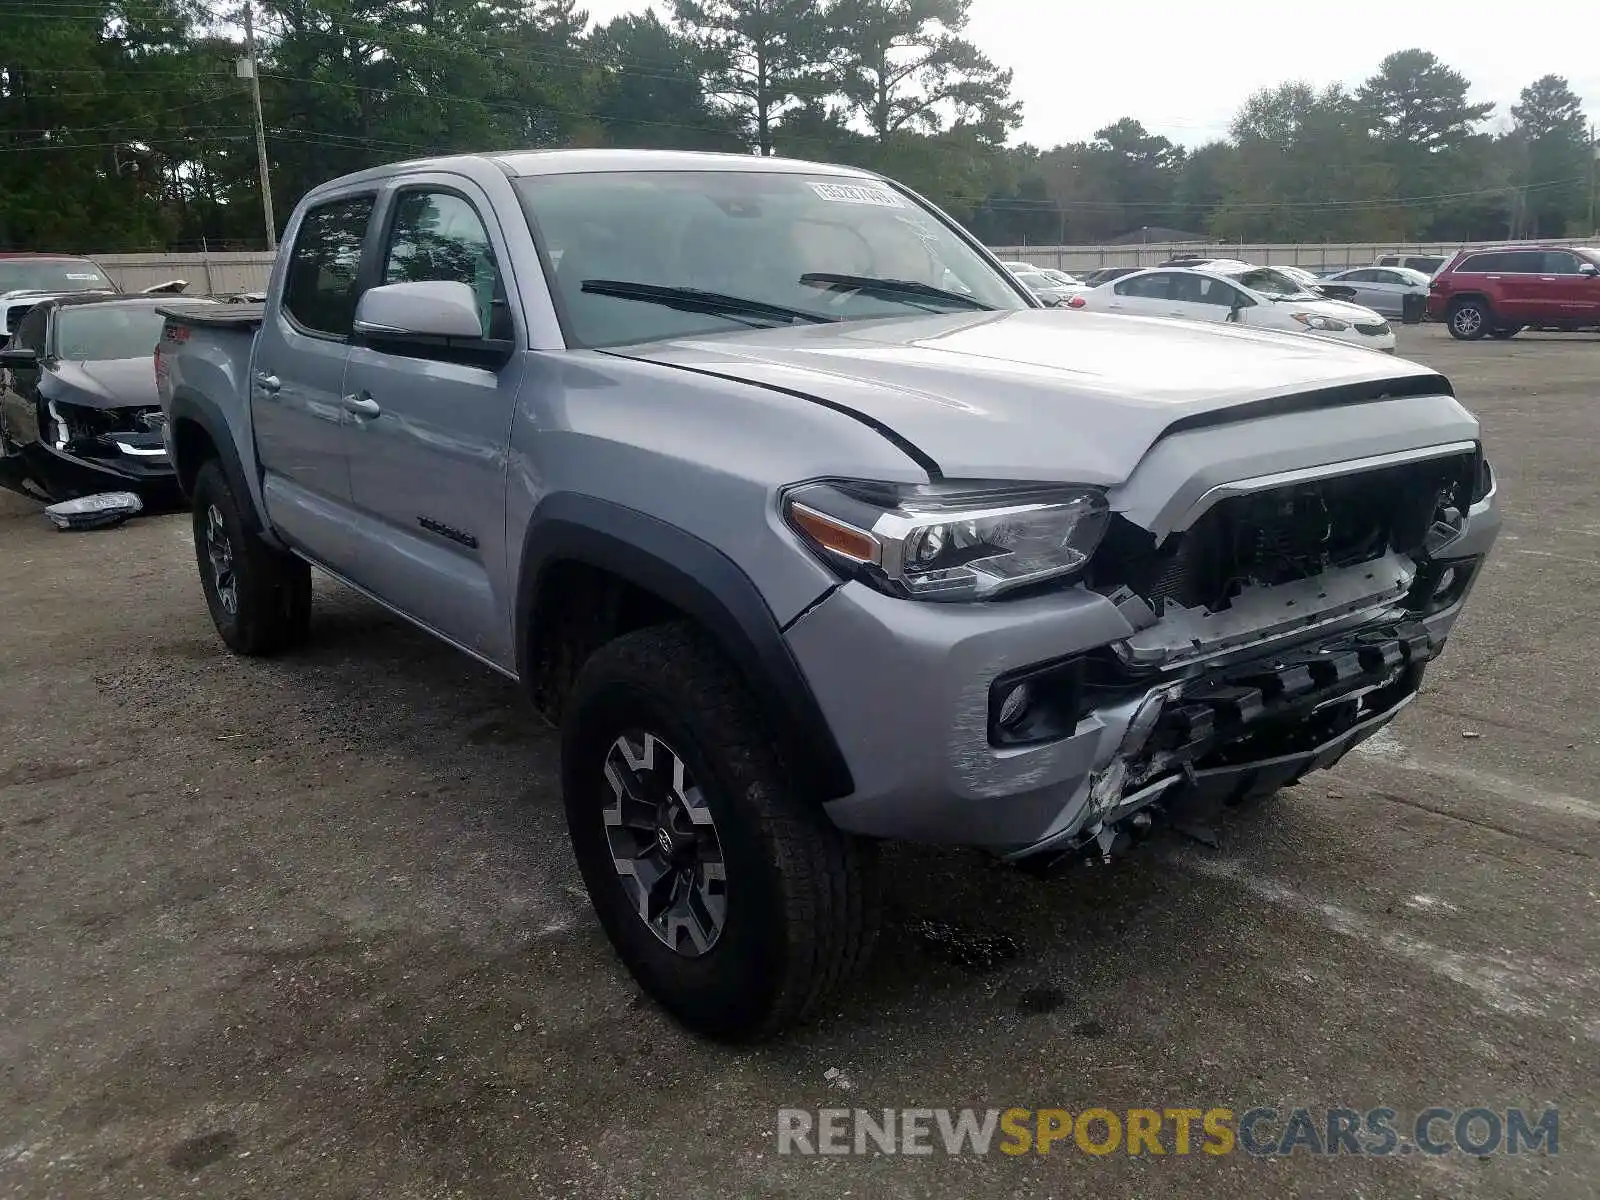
x=1184, y=67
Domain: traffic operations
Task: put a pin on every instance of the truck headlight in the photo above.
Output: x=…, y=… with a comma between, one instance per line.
x=949, y=541
x=1313, y=321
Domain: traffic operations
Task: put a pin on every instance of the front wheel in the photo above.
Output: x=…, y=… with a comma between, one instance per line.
x=259, y=596
x=732, y=899
x=1469, y=320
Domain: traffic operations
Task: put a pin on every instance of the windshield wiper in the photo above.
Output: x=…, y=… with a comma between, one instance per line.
x=697, y=300
x=891, y=288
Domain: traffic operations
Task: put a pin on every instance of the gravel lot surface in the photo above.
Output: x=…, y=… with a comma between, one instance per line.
x=309, y=928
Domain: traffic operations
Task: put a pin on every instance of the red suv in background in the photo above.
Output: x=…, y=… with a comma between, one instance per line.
x=1500, y=291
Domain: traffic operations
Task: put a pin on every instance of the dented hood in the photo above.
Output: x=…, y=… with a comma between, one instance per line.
x=109, y=383
x=1036, y=394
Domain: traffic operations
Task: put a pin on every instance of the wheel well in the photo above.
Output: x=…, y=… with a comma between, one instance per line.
x=579, y=608
x=193, y=446
x=1457, y=299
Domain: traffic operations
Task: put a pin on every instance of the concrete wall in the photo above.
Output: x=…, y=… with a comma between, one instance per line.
x=1312, y=255
x=208, y=274
x=247, y=271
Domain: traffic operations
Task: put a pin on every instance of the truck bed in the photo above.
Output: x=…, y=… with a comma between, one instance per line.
x=243, y=317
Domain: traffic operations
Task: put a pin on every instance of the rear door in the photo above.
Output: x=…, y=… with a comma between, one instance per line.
x=428, y=457
x=1366, y=283
x=302, y=428
x=1527, y=294
x=1200, y=297
x=1143, y=295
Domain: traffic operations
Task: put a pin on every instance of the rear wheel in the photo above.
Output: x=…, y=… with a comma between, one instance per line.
x=1508, y=331
x=259, y=596
x=1469, y=320
x=732, y=899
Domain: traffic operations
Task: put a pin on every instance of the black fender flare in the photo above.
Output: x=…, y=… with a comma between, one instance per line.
x=702, y=582
x=187, y=405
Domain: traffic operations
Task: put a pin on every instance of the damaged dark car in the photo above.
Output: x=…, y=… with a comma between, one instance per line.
x=79, y=412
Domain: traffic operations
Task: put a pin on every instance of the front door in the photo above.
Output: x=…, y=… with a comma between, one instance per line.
x=302, y=428
x=1576, y=293
x=428, y=457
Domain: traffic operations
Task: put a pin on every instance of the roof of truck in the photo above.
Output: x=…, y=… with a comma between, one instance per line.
x=518, y=163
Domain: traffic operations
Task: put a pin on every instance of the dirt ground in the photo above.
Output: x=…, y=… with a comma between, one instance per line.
x=309, y=928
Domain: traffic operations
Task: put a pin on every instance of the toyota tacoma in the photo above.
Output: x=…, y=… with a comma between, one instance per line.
x=810, y=528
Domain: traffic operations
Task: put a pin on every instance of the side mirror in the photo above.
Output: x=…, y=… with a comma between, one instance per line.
x=405, y=311
x=18, y=358
x=1589, y=269
x=430, y=319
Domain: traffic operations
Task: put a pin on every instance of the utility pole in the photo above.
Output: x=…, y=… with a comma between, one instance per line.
x=1594, y=157
x=248, y=69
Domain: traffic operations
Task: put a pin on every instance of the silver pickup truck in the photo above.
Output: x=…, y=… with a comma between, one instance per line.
x=810, y=528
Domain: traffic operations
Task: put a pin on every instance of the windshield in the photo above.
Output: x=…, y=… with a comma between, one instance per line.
x=94, y=332
x=1274, y=283
x=750, y=235
x=52, y=275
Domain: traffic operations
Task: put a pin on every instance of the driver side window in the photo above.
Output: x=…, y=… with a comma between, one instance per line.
x=438, y=236
x=30, y=334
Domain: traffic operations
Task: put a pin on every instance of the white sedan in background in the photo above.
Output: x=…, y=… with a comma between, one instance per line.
x=1255, y=297
x=1383, y=289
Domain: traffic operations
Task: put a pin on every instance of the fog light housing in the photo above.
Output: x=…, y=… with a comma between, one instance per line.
x=1015, y=706
x=1447, y=580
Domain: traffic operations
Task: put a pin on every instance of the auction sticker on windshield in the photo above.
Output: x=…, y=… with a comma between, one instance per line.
x=848, y=193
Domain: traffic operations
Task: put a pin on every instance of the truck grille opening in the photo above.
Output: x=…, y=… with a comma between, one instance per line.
x=1285, y=534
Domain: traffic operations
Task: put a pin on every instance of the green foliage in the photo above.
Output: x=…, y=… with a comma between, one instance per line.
x=1549, y=158
x=124, y=125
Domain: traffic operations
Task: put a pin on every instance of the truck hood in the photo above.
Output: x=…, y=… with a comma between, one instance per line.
x=1039, y=394
x=110, y=383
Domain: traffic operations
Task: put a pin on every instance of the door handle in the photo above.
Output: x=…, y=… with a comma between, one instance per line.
x=267, y=382
x=362, y=405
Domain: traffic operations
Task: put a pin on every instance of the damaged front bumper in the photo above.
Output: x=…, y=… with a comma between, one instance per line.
x=73, y=458
x=1126, y=714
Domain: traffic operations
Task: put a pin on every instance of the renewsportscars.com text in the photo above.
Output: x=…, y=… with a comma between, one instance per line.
x=1260, y=1131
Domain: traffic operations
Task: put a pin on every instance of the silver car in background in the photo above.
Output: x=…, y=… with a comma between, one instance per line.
x=1382, y=289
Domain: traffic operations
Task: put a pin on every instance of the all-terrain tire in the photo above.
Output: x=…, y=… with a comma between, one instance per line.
x=1469, y=320
x=259, y=596
x=801, y=898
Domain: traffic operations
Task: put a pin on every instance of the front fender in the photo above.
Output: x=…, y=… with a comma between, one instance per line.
x=702, y=582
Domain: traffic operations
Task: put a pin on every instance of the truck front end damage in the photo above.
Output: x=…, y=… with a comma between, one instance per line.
x=1261, y=630
x=1293, y=618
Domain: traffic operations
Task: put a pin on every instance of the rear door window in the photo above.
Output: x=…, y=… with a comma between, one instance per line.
x=1480, y=264
x=319, y=291
x=1524, y=262
x=1147, y=287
